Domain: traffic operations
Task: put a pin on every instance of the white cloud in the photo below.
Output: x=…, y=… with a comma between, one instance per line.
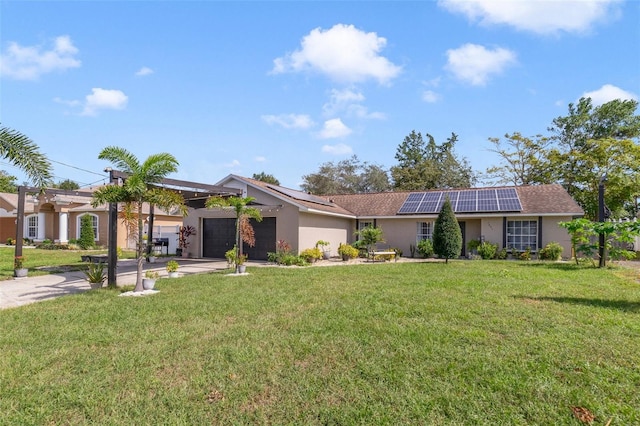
x=30, y=62
x=339, y=149
x=475, y=64
x=71, y=103
x=541, y=17
x=289, y=121
x=349, y=101
x=334, y=128
x=430, y=96
x=232, y=164
x=260, y=159
x=144, y=71
x=104, y=99
x=343, y=53
x=608, y=93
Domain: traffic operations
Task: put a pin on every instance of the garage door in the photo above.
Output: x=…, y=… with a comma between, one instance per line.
x=218, y=236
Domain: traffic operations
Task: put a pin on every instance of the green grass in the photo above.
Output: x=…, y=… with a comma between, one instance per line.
x=482, y=342
x=54, y=260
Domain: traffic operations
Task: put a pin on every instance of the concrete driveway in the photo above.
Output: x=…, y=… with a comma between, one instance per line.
x=22, y=291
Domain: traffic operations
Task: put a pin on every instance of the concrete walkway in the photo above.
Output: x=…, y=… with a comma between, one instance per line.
x=22, y=291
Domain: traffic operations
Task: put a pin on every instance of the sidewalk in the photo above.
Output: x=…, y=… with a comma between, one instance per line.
x=22, y=291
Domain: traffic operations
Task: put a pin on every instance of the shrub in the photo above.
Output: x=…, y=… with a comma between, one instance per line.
x=487, y=250
x=347, y=251
x=311, y=254
x=526, y=255
x=425, y=248
x=552, y=251
x=87, y=237
x=172, y=266
x=10, y=241
x=501, y=254
x=447, y=236
x=473, y=245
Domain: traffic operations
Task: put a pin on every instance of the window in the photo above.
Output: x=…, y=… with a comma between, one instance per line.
x=364, y=223
x=94, y=224
x=32, y=226
x=522, y=234
x=424, y=231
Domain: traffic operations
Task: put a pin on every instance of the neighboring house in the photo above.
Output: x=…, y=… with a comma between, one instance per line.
x=513, y=217
x=57, y=218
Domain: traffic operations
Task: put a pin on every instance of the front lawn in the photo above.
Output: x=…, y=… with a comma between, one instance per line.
x=470, y=342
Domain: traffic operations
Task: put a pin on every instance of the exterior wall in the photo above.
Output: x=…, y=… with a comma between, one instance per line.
x=552, y=232
x=314, y=227
x=7, y=228
x=400, y=233
x=473, y=230
x=491, y=230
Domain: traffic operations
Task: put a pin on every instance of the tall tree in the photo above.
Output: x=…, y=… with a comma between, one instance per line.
x=591, y=142
x=139, y=188
x=447, y=236
x=264, y=177
x=426, y=165
x=522, y=160
x=244, y=211
x=67, y=184
x=22, y=152
x=8, y=182
x=350, y=176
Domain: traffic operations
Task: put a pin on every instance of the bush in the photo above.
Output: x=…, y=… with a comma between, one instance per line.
x=447, y=236
x=87, y=237
x=526, y=255
x=487, y=250
x=425, y=248
x=552, y=251
x=347, y=251
x=10, y=241
x=501, y=254
x=473, y=245
x=311, y=254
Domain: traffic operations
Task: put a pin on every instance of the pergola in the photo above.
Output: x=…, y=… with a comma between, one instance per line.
x=193, y=193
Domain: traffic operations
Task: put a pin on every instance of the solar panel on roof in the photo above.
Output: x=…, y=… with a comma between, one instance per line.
x=464, y=201
x=299, y=195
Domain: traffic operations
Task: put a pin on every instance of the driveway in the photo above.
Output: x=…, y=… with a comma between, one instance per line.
x=22, y=291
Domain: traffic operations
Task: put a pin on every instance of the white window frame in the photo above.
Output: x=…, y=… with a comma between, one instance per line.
x=96, y=225
x=364, y=223
x=28, y=226
x=522, y=234
x=424, y=231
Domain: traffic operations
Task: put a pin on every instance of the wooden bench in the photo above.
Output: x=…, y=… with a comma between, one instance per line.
x=382, y=253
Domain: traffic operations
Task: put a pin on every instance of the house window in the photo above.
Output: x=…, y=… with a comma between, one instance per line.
x=424, y=231
x=94, y=224
x=364, y=224
x=522, y=234
x=32, y=226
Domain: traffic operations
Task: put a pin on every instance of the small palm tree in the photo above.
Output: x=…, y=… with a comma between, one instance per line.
x=138, y=189
x=244, y=212
x=23, y=153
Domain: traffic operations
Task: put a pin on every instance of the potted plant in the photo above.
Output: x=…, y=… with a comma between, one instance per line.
x=242, y=268
x=95, y=275
x=19, y=271
x=172, y=268
x=347, y=251
x=149, y=280
x=324, y=248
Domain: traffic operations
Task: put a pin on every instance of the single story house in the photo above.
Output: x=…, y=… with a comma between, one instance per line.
x=57, y=218
x=513, y=217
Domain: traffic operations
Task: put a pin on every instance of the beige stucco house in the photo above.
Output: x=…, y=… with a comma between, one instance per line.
x=513, y=217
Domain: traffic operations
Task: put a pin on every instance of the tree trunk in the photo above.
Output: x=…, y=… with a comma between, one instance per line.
x=140, y=253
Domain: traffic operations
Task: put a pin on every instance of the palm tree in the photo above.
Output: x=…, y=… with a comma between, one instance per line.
x=138, y=189
x=244, y=212
x=24, y=154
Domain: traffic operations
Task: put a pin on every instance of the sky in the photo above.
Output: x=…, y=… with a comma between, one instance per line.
x=282, y=87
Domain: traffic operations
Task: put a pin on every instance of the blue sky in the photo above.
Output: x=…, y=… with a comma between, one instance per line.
x=282, y=87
